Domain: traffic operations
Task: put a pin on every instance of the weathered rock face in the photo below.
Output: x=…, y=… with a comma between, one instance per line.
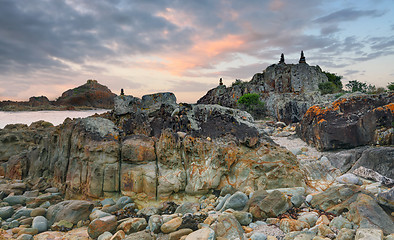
x=175, y=148
x=349, y=122
x=287, y=89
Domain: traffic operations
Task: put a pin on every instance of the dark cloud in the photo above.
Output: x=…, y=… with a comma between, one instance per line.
x=348, y=14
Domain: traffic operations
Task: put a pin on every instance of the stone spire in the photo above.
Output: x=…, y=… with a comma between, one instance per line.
x=282, y=58
x=121, y=92
x=220, y=82
x=302, y=58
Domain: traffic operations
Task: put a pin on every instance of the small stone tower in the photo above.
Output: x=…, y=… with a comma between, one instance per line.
x=121, y=92
x=220, y=82
x=302, y=58
x=282, y=58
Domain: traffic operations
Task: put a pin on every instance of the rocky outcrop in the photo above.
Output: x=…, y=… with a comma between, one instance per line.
x=288, y=90
x=90, y=95
x=151, y=147
x=349, y=122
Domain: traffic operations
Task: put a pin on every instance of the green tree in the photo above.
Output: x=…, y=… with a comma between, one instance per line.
x=332, y=77
x=356, y=86
x=391, y=86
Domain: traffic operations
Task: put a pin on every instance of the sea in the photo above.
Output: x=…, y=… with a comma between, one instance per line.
x=54, y=117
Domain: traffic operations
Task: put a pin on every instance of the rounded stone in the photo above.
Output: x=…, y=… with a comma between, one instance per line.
x=105, y=236
x=171, y=225
x=101, y=225
x=38, y=212
x=6, y=212
x=40, y=223
x=236, y=202
x=122, y=201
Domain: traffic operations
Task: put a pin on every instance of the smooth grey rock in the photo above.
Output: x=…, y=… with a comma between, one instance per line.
x=221, y=202
x=107, y=201
x=258, y=236
x=13, y=200
x=22, y=212
x=6, y=212
x=297, y=200
x=341, y=222
x=25, y=237
x=98, y=214
x=237, y=201
x=349, y=178
x=122, y=201
x=14, y=224
x=70, y=210
x=40, y=223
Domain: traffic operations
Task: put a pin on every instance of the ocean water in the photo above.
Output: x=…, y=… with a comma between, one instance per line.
x=54, y=117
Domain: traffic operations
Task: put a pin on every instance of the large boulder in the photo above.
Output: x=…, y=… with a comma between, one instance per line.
x=70, y=210
x=349, y=122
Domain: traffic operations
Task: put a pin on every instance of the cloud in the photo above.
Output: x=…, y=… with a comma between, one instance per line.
x=348, y=14
x=60, y=43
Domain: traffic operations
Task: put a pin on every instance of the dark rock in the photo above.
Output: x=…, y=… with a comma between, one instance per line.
x=272, y=205
x=387, y=198
x=348, y=122
x=378, y=159
x=192, y=221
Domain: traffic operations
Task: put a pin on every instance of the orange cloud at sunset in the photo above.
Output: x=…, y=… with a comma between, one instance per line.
x=202, y=53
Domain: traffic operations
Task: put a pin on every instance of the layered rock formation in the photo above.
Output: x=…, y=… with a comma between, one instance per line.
x=149, y=146
x=90, y=95
x=350, y=122
x=287, y=89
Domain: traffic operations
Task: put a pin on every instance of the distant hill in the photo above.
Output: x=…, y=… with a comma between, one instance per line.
x=87, y=96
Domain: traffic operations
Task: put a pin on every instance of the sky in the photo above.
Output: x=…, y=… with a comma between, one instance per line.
x=185, y=46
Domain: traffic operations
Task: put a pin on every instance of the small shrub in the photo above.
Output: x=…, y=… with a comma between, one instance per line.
x=252, y=104
x=391, y=86
x=327, y=88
